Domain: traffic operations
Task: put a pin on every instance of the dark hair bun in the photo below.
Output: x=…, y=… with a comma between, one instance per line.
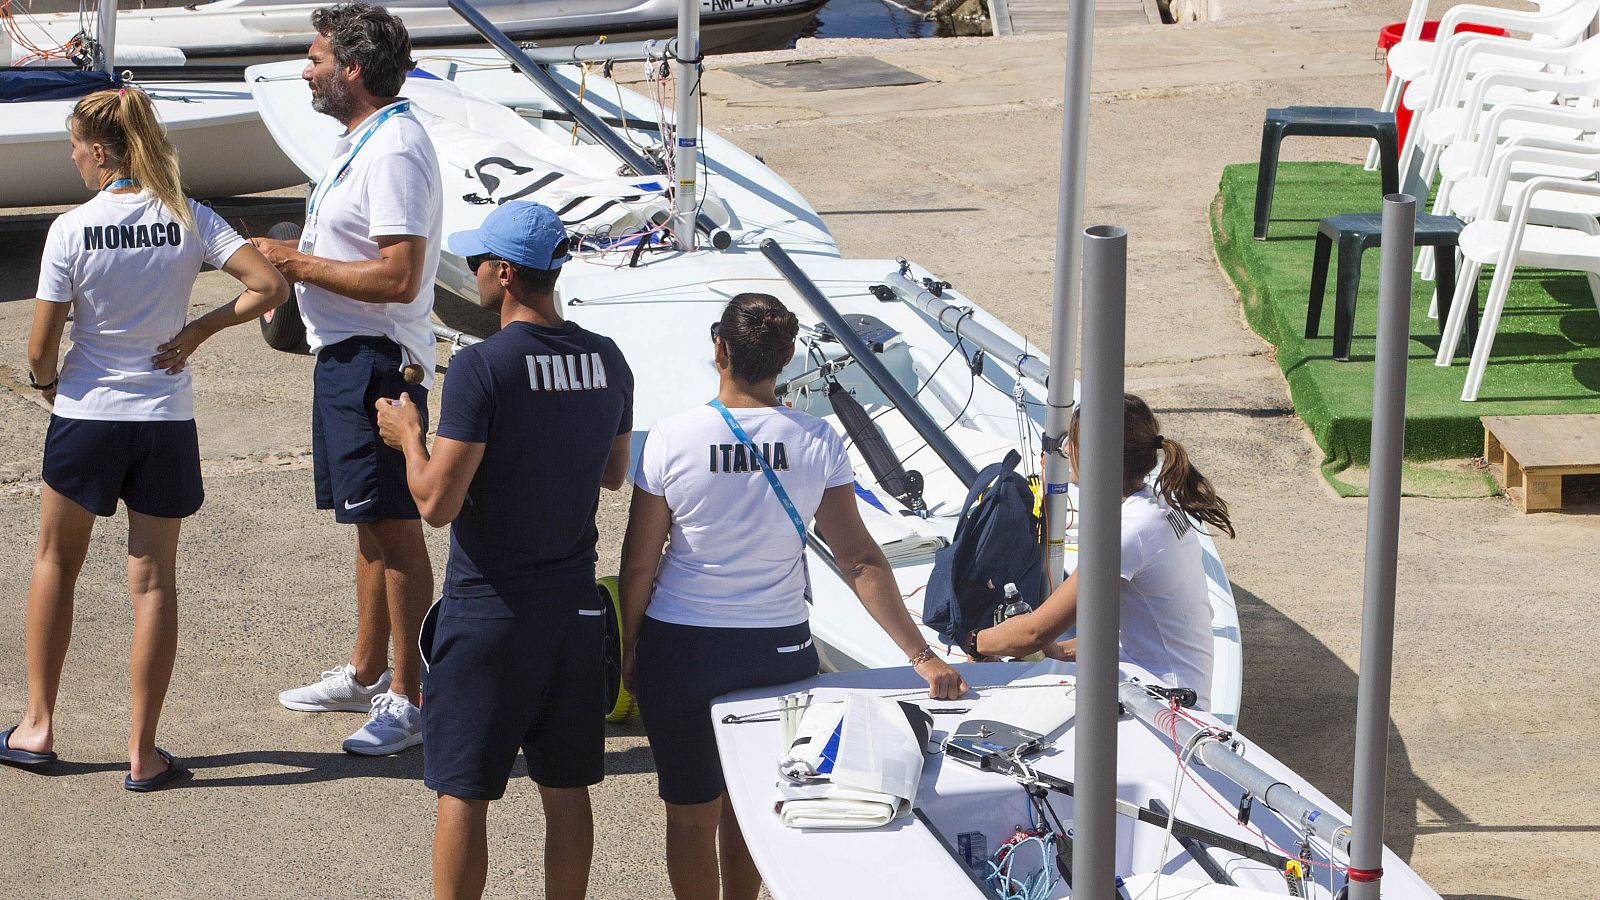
x=759, y=332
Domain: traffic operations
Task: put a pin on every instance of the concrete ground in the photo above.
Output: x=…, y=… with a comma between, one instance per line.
x=1486, y=790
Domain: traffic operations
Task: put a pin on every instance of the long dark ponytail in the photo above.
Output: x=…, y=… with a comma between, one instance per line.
x=1179, y=482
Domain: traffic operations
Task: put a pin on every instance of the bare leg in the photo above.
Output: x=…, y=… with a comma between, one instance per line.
x=460, y=848
x=568, y=842
x=153, y=587
x=408, y=586
x=371, y=654
x=740, y=879
x=64, y=529
x=692, y=849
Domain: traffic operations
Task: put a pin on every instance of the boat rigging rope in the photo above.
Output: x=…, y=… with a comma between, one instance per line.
x=37, y=51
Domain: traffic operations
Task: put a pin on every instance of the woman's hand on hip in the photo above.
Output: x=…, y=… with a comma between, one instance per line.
x=944, y=683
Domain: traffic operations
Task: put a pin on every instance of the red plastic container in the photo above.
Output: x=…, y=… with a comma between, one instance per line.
x=1391, y=34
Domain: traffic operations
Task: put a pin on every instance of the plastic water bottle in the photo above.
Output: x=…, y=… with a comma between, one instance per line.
x=1014, y=605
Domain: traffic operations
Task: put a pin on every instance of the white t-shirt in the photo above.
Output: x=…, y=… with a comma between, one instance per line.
x=127, y=267
x=1166, y=613
x=734, y=559
x=390, y=187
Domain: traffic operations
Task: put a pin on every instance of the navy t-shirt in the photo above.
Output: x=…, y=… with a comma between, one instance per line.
x=547, y=403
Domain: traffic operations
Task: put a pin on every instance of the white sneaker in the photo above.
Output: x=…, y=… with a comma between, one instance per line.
x=396, y=724
x=338, y=691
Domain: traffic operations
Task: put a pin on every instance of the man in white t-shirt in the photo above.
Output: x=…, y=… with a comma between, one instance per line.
x=363, y=270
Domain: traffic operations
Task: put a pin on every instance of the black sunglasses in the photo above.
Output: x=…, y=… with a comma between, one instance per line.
x=474, y=262
x=716, y=330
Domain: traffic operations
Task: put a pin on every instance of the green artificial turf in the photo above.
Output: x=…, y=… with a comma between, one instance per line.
x=1546, y=354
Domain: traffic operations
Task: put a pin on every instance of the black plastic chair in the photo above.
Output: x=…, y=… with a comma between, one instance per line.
x=1323, y=121
x=1355, y=234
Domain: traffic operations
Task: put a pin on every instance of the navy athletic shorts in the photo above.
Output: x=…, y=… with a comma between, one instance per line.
x=505, y=674
x=680, y=669
x=358, y=476
x=153, y=467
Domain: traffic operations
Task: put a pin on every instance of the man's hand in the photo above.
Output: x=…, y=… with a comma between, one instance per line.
x=944, y=683
x=1066, y=651
x=174, y=354
x=285, y=256
x=398, y=421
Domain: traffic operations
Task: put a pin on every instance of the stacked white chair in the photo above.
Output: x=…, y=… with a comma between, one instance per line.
x=1412, y=59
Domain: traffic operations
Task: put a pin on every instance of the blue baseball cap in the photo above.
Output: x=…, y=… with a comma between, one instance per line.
x=523, y=232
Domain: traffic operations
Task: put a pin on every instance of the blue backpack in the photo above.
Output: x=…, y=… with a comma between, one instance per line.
x=998, y=540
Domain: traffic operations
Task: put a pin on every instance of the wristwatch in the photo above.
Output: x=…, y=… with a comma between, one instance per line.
x=33, y=383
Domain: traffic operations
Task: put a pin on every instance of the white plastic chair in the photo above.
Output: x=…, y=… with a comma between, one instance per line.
x=1454, y=67
x=1505, y=244
x=1410, y=60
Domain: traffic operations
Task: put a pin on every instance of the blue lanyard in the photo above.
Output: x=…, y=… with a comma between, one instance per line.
x=772, y=478
x=328, y=183
x=120, y=183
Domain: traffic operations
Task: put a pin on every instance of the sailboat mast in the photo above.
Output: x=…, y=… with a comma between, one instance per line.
x=1064, y=315
x=686, y=156
x=105, y=33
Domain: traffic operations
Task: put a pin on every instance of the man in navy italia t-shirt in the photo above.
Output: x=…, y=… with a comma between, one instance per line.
x=533, y=422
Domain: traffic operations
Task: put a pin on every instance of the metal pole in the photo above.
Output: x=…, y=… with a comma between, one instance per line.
x=598, y=52
x=1094, y=812
x=686, y=156
x=105, y=32
x=958, y=321
x=1220, y=758
x=918, y=418
x=1064, y=318
x=1383, y=543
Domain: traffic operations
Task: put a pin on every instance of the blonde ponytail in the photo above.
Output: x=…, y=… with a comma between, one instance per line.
x=124, y=122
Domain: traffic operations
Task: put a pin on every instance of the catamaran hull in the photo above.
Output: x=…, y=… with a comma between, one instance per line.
x=250, y=33
x=223, y=147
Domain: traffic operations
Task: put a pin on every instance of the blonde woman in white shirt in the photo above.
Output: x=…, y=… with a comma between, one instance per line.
x=122, y=427
x=1166, y=612
x=724, y=607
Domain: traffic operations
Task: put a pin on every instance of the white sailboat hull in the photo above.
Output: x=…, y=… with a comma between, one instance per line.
x=964, y=810
x=223, y=147
x=245, y=31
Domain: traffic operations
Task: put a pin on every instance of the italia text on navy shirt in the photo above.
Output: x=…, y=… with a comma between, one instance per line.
x=546, y=403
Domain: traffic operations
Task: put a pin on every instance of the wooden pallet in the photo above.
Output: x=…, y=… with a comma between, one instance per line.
x=1530, y=455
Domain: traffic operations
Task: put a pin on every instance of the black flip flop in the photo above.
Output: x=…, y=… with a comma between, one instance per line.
x=173, y=774
x=26, y=759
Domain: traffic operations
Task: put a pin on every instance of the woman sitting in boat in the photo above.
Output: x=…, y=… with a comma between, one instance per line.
x=122, y=418
x=725, y=607
x=1166, y=613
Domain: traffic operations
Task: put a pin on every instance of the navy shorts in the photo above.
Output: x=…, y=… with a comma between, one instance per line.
x=505, y=674
x=680, y=669
x=153, y=467
x=358, y=476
